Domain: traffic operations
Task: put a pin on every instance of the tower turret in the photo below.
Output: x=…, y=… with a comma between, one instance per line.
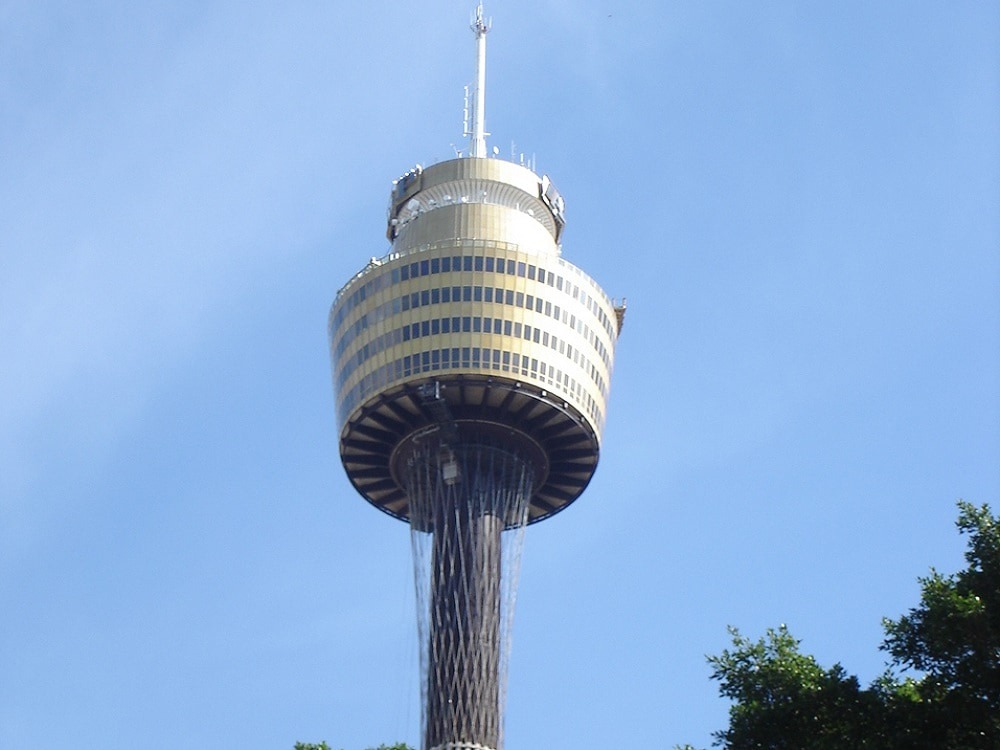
x=471, y=371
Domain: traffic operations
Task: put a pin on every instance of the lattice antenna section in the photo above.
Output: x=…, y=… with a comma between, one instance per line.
x=468, y=511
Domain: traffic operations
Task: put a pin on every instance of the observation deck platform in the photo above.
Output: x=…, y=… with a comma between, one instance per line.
x=559, y=441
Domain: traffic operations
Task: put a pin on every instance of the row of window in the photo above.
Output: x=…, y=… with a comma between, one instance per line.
x=450, y=294
x=481, y=263
x=466, y=358
x=469, y=324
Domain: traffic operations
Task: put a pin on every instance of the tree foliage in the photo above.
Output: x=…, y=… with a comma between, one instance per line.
x=941, y=689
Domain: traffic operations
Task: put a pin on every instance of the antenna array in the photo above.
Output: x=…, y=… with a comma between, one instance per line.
x=477, y=136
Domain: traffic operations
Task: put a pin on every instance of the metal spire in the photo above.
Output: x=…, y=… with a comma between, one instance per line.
x=477, y=133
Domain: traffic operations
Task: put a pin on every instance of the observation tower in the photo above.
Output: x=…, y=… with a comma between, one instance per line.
x=471, y=367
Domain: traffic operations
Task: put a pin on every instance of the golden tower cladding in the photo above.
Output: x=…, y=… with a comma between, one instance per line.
x=475, y=297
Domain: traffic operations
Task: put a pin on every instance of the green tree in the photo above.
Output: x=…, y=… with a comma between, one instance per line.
x=952, y=639
x=941, y=690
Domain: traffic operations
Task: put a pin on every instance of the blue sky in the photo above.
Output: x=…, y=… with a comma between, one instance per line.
x=801, y=203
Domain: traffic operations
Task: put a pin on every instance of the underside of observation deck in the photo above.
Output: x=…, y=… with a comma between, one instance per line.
x=564, y=447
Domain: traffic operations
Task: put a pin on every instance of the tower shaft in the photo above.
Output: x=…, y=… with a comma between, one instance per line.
x=463, y=676
x=464, y=501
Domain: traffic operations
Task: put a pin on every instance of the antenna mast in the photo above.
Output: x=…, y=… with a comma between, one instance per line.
x=477, y=143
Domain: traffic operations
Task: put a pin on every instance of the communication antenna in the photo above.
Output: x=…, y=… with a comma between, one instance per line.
x=477, y=143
